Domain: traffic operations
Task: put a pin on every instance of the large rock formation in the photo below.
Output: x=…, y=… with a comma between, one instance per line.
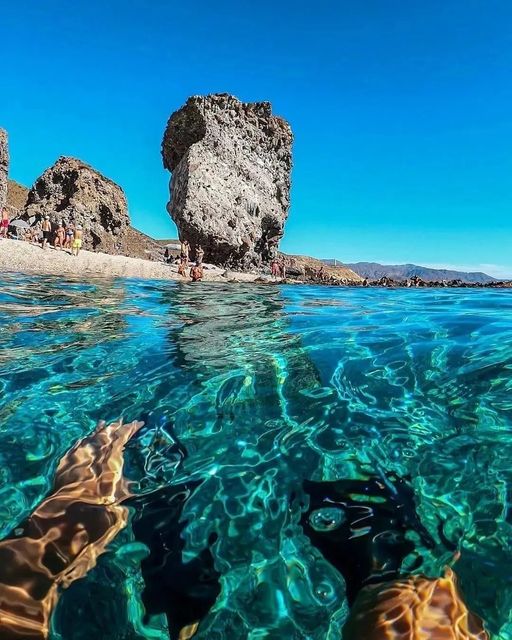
x=73, y=191
x=230, y=187
x=4, y=167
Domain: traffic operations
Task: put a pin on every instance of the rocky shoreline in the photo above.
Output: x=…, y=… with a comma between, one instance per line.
x=435, y=284
x=23, y=257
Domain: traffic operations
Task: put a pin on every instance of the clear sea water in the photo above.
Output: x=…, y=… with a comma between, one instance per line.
x=264, y=387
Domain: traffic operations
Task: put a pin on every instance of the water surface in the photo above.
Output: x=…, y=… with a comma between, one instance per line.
x=264, y=388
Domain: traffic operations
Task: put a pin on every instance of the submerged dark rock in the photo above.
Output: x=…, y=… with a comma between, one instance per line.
x=230, y=187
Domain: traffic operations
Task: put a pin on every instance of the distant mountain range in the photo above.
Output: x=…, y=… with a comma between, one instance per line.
x=374, y=271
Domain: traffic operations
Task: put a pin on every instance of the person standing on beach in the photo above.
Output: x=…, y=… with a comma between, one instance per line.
x=4, y=223
x=77, y=240
x=182, y=268
x=60, y=236
x=199, y=254
x=47, y=231
x=185, y=252
x=36, y=232
x=70, y=232
x=184, y=258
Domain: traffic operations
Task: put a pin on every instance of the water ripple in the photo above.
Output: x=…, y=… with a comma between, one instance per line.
x=248, y=391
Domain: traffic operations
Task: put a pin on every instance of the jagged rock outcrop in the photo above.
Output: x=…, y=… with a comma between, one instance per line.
x=73, y=191
x=4, y=167
x=230, y=187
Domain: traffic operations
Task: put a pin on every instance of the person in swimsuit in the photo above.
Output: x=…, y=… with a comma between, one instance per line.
x=62, y=539
x=60, y=236
x=77, y=240
x=70, y=232
x=36, y=232
x=47, y=231
x=185, y=252
x=199, y=254
x=4, y=223
x=196, y=272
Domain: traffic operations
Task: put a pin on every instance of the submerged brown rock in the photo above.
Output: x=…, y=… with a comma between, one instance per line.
x=4, y=167
x=73, y=191
x=230, y=187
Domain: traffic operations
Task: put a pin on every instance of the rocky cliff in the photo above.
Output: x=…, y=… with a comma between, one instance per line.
x=230, y=187
x=73, y=191
x=4, y=167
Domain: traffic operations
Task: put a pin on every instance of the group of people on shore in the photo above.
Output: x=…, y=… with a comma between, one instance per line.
x=196, y=272
x=63, y=235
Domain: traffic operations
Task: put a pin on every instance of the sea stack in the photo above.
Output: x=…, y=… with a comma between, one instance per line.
x=73, y=191
x=230, y=186
x=4, y=167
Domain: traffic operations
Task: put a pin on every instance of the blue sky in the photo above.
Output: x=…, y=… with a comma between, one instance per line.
x=400, y=110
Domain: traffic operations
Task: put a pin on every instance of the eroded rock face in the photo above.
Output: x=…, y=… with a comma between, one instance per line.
x=230, y=186
x=73, y=191
x=4, y=167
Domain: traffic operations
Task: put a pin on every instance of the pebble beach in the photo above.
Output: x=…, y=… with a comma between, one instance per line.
x=24, y=257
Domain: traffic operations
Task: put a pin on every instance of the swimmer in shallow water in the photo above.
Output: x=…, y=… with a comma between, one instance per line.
x=416, y=607
x=361, y=527
x=196, y=272
x=60, y=542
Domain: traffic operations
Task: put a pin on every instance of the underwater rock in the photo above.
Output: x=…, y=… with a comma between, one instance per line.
x=230, y=187
x=75, y=192
x=4, y=167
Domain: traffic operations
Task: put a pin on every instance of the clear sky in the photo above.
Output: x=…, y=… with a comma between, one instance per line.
x=401, y=110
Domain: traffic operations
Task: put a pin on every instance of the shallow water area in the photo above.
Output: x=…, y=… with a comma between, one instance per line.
x=247, y=391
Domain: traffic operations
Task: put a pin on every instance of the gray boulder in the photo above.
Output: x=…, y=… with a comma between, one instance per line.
x=4, y=167
x=73, y=191
x=230, y=186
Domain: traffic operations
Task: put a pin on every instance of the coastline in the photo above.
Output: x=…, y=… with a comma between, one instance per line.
x=24, y=257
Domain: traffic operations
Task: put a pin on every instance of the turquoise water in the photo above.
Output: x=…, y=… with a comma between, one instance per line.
x=263, y=388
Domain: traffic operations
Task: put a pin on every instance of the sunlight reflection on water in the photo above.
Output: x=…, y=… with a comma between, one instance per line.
x=264, y=387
